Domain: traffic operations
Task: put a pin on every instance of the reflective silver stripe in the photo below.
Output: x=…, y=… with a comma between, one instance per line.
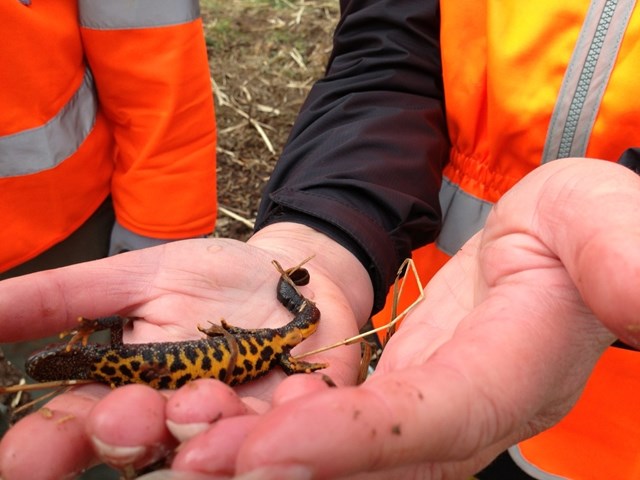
x=462, y=216
x=529, y=468
x=125, y=14
x=45, y=147
x=586, y=78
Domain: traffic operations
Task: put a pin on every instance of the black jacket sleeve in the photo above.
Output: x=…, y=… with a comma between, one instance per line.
x=363, y=162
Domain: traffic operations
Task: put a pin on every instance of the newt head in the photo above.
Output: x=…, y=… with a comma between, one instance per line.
x=57, y=362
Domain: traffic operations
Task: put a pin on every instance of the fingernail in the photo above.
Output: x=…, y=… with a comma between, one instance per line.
x=117, y=455
x=184, y=431
x=160, y=475
x=174, y=475
x=293, y=472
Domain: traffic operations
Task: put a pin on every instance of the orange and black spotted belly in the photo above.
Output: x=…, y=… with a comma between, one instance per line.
x=231, y=354
x=257, y=354
x=171, y=365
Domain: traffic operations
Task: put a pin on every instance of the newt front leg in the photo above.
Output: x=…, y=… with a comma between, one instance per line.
x=87, y=326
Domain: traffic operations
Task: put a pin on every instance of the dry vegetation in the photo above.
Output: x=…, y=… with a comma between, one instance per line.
x=264, y=57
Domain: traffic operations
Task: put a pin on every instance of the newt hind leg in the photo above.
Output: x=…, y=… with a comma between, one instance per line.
x=290, y=365
x=214, y=330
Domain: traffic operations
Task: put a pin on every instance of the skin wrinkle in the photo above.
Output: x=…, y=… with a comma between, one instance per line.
x=489, y=411
x=569, y=342
x=607, y=191
x=503, y=398
x=535, y=250
x=546, y=220
x=527, y=247
x=558, y=200
x=162, y=278
x=378, y=458
x=47, y=323
x=557, y=203
x=59, y=300
x=378, y=387
x=165, y=284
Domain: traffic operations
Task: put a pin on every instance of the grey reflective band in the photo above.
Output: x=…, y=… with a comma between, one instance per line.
x=529, y=468
x=42, y=148
x=586, y=78
x=462, y=216
x=123, y=240
x=129, y=14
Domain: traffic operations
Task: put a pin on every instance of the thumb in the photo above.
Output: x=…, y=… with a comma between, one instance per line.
x=588, y=213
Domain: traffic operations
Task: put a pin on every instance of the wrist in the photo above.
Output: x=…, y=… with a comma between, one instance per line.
x=294, y=242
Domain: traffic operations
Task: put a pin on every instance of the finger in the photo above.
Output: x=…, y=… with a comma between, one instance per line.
x=193, y=408
x=215, y=450
x=459, y=470
x=51, y=301
x=587, y=212
x=127, y=428
x=464, y=469
x=51, y=443
x=299, y=385
x=359, y=420
x=381, y=429
x=291, y=472
x=610, y=289
x=186, y=277
x=173, y=475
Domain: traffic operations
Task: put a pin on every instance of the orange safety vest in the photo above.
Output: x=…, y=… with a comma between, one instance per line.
x=527, y=83
x=97, y=98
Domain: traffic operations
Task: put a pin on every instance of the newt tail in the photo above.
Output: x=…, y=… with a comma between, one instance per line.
x=231, y=354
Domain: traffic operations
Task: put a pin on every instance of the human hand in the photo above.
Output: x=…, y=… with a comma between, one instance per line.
x=499, y=349
x=173, y=288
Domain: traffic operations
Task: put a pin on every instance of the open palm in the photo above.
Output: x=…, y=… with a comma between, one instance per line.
x=499, y=350
x=171, y=289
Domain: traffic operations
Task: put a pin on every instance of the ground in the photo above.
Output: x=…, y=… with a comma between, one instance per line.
x=264, y=57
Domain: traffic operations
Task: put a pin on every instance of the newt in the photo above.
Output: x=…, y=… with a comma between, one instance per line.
x=231, y=354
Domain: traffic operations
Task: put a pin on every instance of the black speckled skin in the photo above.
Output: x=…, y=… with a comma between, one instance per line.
x=233, y=355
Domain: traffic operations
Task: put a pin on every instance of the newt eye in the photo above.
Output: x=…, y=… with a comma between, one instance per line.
x=300, y=277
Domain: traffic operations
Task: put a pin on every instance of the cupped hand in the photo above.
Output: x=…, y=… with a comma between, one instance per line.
x=171, y=289
x=499, y=349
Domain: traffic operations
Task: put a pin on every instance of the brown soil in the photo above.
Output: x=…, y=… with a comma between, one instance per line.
x=264, y=57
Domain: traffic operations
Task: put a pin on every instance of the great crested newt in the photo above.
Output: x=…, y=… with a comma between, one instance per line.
x=231, y=354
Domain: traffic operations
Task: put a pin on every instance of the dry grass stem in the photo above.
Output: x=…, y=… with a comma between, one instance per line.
x=264, y=57
x=225, y=211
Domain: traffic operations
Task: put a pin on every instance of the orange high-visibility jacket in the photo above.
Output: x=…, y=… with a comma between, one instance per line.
x=100, y=97
x=526, y=83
